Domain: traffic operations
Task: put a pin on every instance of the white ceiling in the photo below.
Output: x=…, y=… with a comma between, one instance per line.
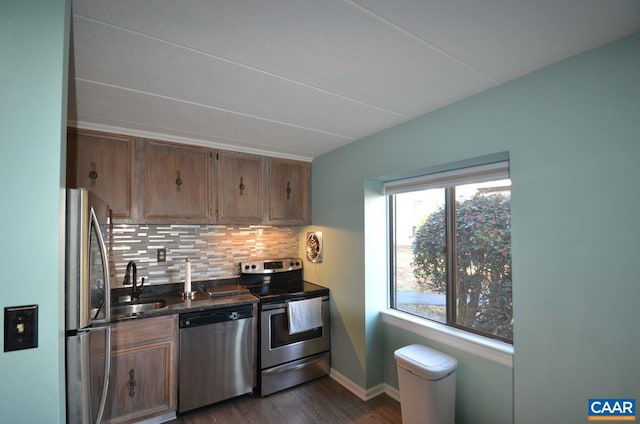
x=298, y=78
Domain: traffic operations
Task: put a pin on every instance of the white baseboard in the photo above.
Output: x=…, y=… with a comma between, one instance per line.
x=392, y=392
x=364, y=394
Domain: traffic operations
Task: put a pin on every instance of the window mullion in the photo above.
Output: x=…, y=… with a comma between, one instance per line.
x=450, y=253
x=391, y=251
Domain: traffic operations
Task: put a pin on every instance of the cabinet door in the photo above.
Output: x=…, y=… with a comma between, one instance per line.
x=289, y=192
x=176, y=183
x=143, y=379
x=240, y=188
x=102, y=163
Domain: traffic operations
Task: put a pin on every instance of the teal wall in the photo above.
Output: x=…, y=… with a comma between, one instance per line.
x=572, y=131
x=484, y=389
x=33, y=52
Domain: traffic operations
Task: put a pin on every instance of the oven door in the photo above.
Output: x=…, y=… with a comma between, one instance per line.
x=278, y=346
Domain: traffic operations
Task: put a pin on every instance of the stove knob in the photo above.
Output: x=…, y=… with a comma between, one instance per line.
x=253, y=266
x=291, y=264
x=297, y=263
x=246, y=267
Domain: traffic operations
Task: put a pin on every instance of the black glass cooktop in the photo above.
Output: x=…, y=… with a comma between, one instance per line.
x=288, y=291
x=281, y=286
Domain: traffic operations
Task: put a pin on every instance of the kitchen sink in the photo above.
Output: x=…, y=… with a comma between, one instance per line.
x=137, y=307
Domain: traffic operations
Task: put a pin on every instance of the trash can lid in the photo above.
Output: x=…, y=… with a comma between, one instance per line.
x=425, y=362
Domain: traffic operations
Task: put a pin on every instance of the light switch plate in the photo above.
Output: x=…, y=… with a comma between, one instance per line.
x=20, y=327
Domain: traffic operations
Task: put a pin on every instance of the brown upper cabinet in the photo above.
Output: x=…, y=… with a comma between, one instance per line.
x=102, y=163
x=289, y=192
x=149, y=181
x=241, y=189
x=177, y=183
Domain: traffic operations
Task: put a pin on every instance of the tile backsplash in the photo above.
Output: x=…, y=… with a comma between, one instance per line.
x=215, y=251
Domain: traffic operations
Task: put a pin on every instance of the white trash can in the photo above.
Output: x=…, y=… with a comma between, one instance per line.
x=427, y=383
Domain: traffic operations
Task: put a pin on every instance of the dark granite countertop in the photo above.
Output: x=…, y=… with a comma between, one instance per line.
x=208, y=295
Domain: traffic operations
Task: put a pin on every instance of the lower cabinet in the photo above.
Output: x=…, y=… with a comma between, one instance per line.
x=143, y=381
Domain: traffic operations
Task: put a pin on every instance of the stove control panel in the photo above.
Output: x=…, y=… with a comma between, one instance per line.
x=268, y=266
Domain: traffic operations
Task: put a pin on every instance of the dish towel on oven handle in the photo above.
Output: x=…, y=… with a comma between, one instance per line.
x=305, y=315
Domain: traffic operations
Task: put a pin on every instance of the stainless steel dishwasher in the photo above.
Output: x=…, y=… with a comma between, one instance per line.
x=216, y=355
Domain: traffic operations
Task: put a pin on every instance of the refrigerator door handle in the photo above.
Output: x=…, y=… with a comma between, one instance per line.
x=105, y=260
x=107, y=371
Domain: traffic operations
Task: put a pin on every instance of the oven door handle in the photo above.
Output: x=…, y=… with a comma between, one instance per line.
x=271, y=306
x=286, y=367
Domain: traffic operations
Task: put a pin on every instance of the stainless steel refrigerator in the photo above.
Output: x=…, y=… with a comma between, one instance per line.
x=87, y=293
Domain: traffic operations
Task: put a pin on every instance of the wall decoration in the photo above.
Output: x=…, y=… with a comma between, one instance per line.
x=314, y=247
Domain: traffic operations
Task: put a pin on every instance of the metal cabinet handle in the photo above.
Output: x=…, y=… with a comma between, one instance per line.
x=93, y=174
x=132, y=383
x=178, y=180
x=241, y=186
x=288, y=190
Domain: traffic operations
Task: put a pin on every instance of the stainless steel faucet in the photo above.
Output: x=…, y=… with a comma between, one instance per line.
x=136, y=290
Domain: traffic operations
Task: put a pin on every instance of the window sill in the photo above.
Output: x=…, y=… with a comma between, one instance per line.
x=493, y=350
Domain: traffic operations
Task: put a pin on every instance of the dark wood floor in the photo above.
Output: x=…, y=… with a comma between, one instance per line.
x=320, y=401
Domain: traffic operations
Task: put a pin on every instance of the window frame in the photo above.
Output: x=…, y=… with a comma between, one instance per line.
x=448, y=180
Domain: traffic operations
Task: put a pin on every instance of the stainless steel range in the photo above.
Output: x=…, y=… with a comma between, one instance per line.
x=294, y=334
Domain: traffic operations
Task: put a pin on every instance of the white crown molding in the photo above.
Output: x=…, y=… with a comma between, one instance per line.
x=182, y=140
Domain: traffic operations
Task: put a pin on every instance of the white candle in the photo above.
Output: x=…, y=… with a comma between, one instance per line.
x=187, y=277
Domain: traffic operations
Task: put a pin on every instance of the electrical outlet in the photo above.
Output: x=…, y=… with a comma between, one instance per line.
x=20, y=327
x=161, y=255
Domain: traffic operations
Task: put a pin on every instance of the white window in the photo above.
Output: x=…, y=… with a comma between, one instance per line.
x=450, y=250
